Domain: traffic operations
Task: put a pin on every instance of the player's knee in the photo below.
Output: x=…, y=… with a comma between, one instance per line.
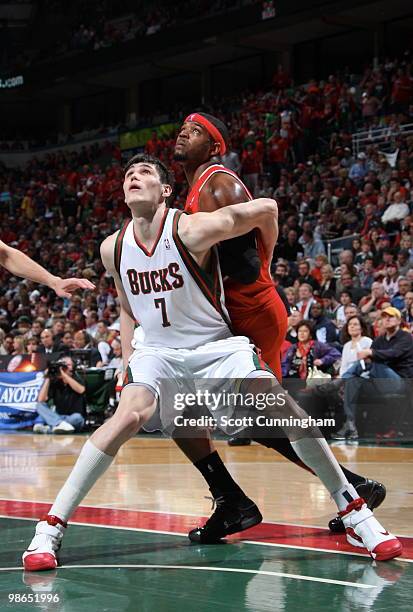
x=272, y=396
x=265, y=384
x=128, y=423
x=134, y=410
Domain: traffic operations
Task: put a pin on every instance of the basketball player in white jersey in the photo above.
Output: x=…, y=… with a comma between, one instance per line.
x=168, y=278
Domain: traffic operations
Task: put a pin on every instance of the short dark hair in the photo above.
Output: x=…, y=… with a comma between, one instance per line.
x=309, y=325
x=220, y=125
x=328, y=295
x=166, y=175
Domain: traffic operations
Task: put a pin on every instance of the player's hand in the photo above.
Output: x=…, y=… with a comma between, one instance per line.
x=64, y=287
x=318, y=362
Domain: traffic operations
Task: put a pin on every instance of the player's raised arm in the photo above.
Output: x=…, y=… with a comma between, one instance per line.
x=20, y=264
x=201, y=231
x=127, y=321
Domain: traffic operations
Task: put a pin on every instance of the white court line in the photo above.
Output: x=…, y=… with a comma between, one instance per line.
x=284, y=463
x=203, y=568
x=326, y=550
x=110, y=507
x=389, y=463
x=185, y=535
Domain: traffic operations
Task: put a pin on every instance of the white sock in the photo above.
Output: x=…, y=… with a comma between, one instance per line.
x=317, y=455
x=89, y=467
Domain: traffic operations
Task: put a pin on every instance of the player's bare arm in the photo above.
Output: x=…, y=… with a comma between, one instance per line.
x=127, y=321
x=224, y=190
x=20, y=264
x=199, y=232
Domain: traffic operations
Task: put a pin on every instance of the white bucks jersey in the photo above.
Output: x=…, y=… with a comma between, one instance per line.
x=176, y=302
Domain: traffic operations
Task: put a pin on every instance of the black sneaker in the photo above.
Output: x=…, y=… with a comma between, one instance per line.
x=372, y=491
x=347, y=431
x=239, y=441
x=233, y=513
x=341, y=434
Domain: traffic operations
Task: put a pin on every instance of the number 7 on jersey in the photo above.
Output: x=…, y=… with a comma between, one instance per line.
x=160, y=303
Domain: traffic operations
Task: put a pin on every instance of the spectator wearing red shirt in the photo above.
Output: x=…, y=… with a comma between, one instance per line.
x=281, y=79
x=277, y=152
x=332, y=90
x=402, y=91
x=370, y=106
x=99, y=210
x=367, y=195
x=153, y=146
x=251, y=167
x=319, y=262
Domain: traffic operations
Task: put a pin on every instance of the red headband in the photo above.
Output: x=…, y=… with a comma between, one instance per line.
x=210, y=127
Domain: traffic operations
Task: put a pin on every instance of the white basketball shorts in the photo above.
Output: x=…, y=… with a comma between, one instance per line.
x=174, y=375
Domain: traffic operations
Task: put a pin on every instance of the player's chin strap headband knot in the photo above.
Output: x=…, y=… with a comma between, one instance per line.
x=212, y=130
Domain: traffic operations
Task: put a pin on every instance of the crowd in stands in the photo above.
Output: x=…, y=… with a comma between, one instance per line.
x=61, y=139
x=144, y=19
x=90, y=25
x=290, y=143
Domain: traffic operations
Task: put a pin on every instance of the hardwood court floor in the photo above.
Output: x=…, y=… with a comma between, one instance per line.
x=127, y=548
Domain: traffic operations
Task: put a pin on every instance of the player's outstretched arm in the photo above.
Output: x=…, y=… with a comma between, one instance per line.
x=201, y=231
x=20, y=264
x=127, y=321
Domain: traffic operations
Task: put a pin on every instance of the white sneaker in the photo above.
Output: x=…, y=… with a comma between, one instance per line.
x=364, y=531
x=41, y=428
x=41, y=553
x=63, y=427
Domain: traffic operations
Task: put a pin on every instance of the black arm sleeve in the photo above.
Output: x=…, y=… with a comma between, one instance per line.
x=239, y=258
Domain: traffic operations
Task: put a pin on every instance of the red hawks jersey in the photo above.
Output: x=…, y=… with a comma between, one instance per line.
x=177, y=303
x=239, y=299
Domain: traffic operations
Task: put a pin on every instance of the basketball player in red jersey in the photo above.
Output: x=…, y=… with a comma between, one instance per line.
x=256, y=311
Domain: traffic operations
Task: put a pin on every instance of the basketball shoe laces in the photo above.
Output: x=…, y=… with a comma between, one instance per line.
x=221, y=508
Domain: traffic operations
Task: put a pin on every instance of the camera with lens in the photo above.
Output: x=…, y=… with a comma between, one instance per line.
x=81, y=358
x=55, y=367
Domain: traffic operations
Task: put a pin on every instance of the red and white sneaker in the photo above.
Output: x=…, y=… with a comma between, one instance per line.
x=41, y=554
x=364, y=531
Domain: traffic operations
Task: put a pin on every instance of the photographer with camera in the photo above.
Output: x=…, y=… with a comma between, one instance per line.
x=64, y=388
